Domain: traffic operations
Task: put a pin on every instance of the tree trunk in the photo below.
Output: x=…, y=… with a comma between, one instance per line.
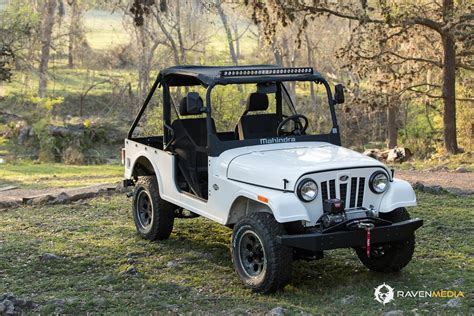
x=47, y=23
x=73, y=30
x=309, y=52
x=449, y=84
x=392, y=112
x=228, y=33
x=237, y=40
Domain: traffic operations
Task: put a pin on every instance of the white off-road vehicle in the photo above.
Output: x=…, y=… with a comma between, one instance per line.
x=277, y=175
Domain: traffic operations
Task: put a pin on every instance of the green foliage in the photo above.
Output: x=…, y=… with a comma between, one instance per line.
x=47, y=104
x=18, y=23
x=49, y=147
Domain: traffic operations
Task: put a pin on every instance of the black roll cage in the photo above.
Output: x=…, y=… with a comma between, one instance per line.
x=215, y=146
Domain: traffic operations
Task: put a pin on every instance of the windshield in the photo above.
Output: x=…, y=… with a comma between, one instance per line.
x=247, y=111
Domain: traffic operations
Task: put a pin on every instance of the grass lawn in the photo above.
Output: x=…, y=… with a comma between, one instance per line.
x=192, y=271
x=41, y=176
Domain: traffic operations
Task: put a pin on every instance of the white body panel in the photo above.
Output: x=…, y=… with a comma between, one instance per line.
x=255, y=171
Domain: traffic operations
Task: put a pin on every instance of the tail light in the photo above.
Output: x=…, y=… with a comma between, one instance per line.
x=122, y=156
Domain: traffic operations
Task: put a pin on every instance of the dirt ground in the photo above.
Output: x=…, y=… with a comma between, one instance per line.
x=451, y=181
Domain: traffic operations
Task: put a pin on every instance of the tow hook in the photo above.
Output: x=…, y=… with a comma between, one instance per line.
x=368, y=227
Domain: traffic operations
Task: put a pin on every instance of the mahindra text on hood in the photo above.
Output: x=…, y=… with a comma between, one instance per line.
x=268, y=166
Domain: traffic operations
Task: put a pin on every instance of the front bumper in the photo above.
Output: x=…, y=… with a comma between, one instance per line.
x=317, y=241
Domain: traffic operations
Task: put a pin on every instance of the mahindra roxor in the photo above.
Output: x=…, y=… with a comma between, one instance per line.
x=278, y=176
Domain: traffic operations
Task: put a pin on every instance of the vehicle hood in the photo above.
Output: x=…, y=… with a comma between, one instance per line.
x=269, y=166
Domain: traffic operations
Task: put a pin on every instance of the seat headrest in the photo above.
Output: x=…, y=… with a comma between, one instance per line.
x=191, y=104
x=257, y=102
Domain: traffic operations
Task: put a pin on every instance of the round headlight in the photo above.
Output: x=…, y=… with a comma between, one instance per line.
x=307, y=190
x=378, y=182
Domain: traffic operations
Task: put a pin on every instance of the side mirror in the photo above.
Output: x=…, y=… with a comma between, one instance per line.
x=194, y=104
x=339, y=94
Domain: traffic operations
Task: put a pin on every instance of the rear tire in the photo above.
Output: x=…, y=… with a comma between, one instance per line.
x=262, y=264
x=392, y=256
x=153, y=216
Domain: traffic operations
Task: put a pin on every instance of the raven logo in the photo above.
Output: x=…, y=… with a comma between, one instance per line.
x=384, y=293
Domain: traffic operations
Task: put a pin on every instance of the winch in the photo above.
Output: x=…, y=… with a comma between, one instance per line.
x=335, y=213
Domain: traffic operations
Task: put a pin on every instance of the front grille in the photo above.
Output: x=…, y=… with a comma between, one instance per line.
x=352, y=195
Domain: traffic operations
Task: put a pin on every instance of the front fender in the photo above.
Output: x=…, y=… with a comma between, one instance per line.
x=286, y=207
x=399, y=194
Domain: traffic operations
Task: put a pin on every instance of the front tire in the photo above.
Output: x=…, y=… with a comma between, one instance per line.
x=392, y=256
x=262, y=264
x=153, y=216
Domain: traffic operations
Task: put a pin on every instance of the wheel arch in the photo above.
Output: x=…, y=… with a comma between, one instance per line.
x=143, y=166
x=243, y=206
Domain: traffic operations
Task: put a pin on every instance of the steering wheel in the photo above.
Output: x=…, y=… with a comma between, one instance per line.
x=300, y=128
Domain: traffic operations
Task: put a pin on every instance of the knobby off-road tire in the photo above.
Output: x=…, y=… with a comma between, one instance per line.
x=262, y=264
x=393, y=256
x=153, y=216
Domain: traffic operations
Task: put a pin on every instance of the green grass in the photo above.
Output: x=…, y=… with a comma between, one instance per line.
x=41, y=176
x=450, y=162
x=93, y=241
x=105, y=30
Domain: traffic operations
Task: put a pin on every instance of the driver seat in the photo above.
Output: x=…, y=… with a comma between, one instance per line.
x=257, y=125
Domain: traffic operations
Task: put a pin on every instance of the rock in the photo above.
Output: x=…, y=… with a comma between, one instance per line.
x=3, y=308
x=415, y=312
x=458, y=282
x=99, y=301
x=172, y=264
x=131, y=270
x=8, y=306
x=130, y=261
x=277, y=311
x=461, y=169
x=419, y=186
x=373, y=153
x=42, y=199
x=398, y=155
x=435, y=189
x=395, y=312
x=62, y=198
x=49, y=256
x=454, y=303
x=348, y=299
x=135, y=254
x=171, y=307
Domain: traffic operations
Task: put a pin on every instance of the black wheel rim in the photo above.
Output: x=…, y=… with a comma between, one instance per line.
x=379, y=251
x=144, y=210
x=251, y=254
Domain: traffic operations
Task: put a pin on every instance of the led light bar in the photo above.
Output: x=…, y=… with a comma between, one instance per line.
x=263, y=72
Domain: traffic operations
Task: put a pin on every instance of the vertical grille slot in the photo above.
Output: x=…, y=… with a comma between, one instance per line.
x=360, y=196
x=324, y=190
x=332, y=188
x=343, y=191
x=353, y=192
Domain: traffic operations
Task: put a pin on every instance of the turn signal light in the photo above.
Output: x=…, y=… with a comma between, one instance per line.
x=262, y=199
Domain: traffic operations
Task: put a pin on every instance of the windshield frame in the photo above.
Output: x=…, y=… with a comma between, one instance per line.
x=215, y=146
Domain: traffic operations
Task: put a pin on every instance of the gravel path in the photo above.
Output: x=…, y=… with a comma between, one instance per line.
x=460, y=183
